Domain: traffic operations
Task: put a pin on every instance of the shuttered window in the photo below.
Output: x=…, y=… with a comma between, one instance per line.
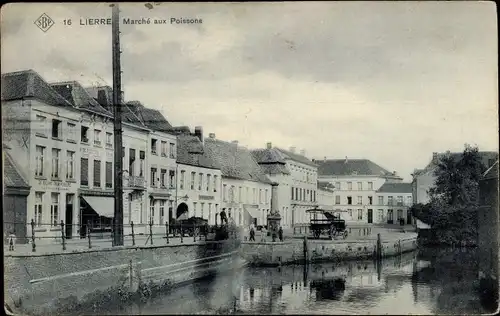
x=109, y=174
x=84, y=172
x=97, y=173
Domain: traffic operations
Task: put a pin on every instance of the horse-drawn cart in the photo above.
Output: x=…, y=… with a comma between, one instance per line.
x=324, y=222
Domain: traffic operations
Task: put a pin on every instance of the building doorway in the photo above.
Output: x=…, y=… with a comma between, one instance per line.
x=370, y=216
x=408, y=217
x=182, y=210
x=69, y=215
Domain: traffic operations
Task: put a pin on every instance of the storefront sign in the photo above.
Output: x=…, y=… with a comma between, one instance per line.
x=206, y=197
x=54, y=185
x=88, y=151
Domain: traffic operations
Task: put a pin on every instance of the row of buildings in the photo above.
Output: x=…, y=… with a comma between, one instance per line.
x=58, y=162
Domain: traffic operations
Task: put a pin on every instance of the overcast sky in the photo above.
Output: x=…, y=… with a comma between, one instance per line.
x=390, y=82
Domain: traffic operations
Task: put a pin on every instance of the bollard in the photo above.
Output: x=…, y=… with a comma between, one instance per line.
x=62, y=235
x=33, y=246
x=306, y=252
x=194, y=232
x=379, y=247
x=113, y=234
x=151, y=231
x=166, y=232
x=133, y=235
x=182, y=234
x=88, y=234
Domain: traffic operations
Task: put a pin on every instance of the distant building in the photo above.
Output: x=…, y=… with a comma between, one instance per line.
x=198, y=190
x=364, y=191
x=296, y=176
x=246, y=190
x=325, y=197
x=423, y=179
x=15, y=198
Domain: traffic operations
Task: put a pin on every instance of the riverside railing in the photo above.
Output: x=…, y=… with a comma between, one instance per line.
x=53, y=237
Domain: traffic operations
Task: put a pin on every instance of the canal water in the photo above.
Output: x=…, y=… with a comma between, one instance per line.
x=424, y=282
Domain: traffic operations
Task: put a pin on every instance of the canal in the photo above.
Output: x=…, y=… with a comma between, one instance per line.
x=424, y=282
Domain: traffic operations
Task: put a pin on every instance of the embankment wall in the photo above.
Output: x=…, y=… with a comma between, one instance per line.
x=292, y=251
x=48, y=283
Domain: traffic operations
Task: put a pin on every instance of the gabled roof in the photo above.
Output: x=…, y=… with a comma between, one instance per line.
x=152, y=118
x=492, y=172
x=12, y=177
x=29, y=84
x=190, y=151
x=78, y=96
x=395, y=187
x=344, y=167
x=268, y=156
x=270, y=160
x=296, y=157
x=486, y=158
x=104, y=96
x=235, y=161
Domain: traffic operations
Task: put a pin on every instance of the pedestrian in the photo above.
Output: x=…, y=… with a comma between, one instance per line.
x=280, y=233
x=263, y=233
x=252, y=233
x=12, y=241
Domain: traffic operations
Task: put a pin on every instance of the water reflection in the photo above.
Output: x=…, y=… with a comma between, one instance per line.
x=429, y=282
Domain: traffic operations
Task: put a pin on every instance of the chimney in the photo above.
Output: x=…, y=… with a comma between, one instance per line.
x=234, y=142
x=211, y=135
x=434, y=156
x=346, y=160
x=292, y=150
x=303, y=152
x=102, y=98
x=269, y=145
x=198, y=132
x=324, y=159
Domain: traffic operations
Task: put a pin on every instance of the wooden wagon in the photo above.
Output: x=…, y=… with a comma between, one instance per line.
x=324, y=222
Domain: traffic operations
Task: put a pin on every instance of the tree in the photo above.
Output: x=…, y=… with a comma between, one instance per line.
x=453, y=202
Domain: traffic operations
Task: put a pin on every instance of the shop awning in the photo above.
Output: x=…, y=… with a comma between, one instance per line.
x=103, y=205
x=253, y=212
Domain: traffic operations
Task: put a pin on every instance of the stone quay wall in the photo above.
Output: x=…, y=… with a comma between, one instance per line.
x=40, y=284
x=293, y=251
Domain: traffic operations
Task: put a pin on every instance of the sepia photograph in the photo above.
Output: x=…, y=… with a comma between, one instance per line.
x=284, y=158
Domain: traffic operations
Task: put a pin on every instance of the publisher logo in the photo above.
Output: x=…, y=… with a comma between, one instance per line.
x=44, y=22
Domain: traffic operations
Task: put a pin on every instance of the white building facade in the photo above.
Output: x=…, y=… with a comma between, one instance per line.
x=296, y=178
x=246, y=190
x=359, y=194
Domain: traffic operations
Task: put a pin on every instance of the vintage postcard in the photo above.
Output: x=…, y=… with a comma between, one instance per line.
x=250, y=158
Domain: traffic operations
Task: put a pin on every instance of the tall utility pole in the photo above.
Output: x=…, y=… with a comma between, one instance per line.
x=117, y=111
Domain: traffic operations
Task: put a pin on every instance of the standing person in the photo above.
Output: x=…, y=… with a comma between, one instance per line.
x=252, y=233
x=280, y=233
x=264, y=233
